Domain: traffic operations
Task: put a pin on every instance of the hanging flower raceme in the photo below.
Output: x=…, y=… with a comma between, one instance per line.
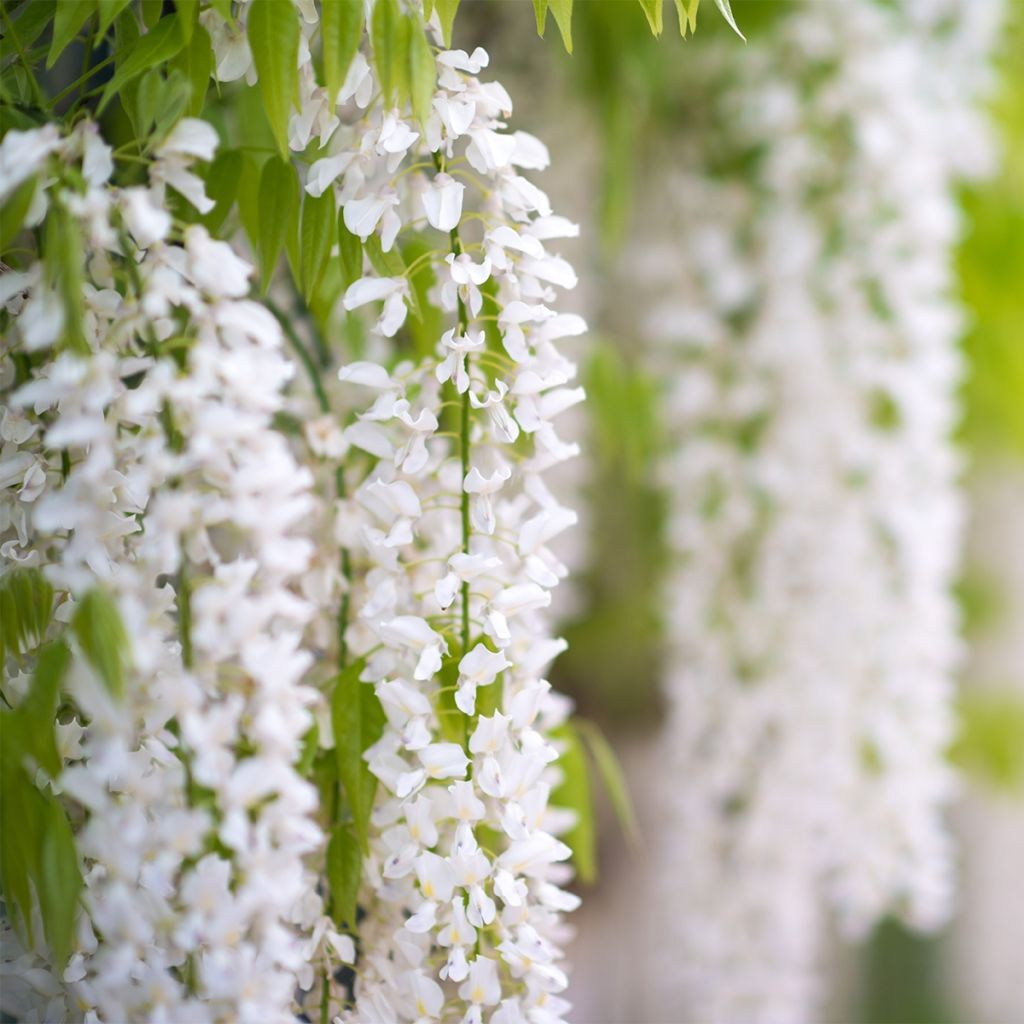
x=170, y=529
x=448, y=532
x=813, y=365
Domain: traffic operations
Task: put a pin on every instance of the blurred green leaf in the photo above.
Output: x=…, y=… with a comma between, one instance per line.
x=158, y=45
x=990, y=742
x=562, y=11
x=109, y=10
x=446, y=15
x=357, y=719
x=195, y=61
x=100, y=633
x=384, y=34
x=422, y=73
x=341, y=28
x=278, y=203
x=319, y=223
x=26, y=605
x=222, y=180
x=350, y=251
x=574, y=794
x=653, y=12
x=274, y=39
x=344, y=869
x=69, y=17
x=540, y=13
x=613, y=778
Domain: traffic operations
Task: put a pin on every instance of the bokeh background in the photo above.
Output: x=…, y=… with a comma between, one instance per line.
x=611, y=115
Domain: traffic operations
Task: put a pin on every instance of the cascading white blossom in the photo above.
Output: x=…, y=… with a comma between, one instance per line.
x=448, y=531
x=180, y=501
x=803, y=315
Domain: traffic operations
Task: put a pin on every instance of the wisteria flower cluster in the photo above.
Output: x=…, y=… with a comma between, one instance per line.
x=213, y=570
x=806, y=326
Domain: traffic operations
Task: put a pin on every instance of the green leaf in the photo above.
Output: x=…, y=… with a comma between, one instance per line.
x=101, y=635
x=278, y=200
x=653, y=12
x=158, y=45
x=20, y=827
x=574, y=794
x=147, y=97
x=62, y=247
x=613, y=778
x=31, y=19
x=319, y=223
x=357, y=720
x=69, y=17
x=540, y=12
x=58, y=882
x=188, y=12
x=26, y=605
x=310, y=747
x=384, y=34
x=274, y=40
x=402, y=63
x=344, y=869
x=109, y=10
x=37, y=712
x=562, y=10
x=687, y=13
x=195, y=62
x=249, y=197
x=446, y=15
x=222, y=180
x=451, y=718
x=341, y=28
x=422, y=73
x=723, y=6
x=350, y=248
x=990, y=740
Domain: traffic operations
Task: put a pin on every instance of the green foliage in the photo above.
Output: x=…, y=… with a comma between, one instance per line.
x=614, y=658
x=384, y=34
x=37, y=851
x=26, y=606
x=350, y=251
x=612, y=777
x=274, y=39
x=574, y=794
x=990, y=741
x=101, y=635
x=341, y=28
x=134, y=58
x=357, y=720
x=317, y=238
x=344, y=870
x=991, y=266
x=67, y=23
x=422, y=73
x=277, y=209
x=446, y=10
x=195, y=62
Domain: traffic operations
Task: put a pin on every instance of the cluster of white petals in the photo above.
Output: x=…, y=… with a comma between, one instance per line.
x=447, y=526
x=156, y=475
x=803, y=314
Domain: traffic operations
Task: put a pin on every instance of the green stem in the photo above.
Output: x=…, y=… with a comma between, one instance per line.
x=304, y=357
x=185, y=612
x=12, y=32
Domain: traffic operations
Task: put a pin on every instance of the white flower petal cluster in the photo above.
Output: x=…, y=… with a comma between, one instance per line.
x=805, y=323
x=450, y=531
x=176, y=496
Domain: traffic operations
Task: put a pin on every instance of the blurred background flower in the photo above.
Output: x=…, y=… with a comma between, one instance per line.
x=666, y=155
